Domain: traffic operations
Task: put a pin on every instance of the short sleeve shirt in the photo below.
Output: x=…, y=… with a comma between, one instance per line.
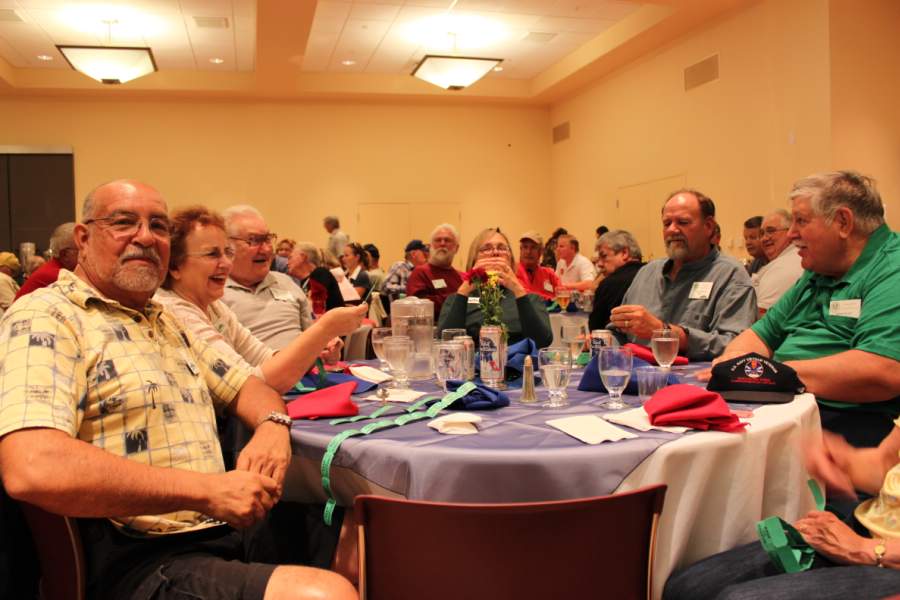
x=276, y=310
x=134, y=384
x=881, y=514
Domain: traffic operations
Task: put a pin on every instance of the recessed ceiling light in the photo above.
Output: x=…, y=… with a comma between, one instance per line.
x=216, y=61
x=348, y=63
x=497, y=69
x=44, y=57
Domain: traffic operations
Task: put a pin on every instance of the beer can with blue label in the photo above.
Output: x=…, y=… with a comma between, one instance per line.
x=600, y=338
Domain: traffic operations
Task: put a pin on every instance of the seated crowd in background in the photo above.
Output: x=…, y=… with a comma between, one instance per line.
x=819, y=295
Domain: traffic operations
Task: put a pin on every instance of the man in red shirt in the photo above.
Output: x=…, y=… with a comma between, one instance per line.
x=64, y=256
x=536, y=279
x=437, y=279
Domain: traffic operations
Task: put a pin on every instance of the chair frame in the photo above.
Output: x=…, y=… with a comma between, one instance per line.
x=657, y=491
x=58, y=544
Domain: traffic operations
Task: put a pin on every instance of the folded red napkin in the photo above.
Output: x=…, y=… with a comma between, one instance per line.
x=333, y=401
x=691, y=406
x=646, y=353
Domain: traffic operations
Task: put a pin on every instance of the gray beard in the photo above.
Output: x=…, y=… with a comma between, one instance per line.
x=441, y=258
x=676, y=250
x=137, y=278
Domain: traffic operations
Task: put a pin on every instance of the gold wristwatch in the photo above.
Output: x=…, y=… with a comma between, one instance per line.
x=879, y=550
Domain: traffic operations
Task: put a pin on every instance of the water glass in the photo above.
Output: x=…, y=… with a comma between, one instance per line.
x=378, y=335
x=650, y=380
x=562, y=298
x=574, y=335
x=448, y=335
x=556, y=366
x=398, y=351
x=664, y=344
x=449, y=362
x=615, y=371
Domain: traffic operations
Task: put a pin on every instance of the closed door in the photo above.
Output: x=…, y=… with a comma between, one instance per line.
x=38, y=194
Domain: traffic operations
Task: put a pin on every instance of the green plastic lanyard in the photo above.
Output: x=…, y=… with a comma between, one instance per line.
x=320, y=382
x=410, y=415
x=784, y=544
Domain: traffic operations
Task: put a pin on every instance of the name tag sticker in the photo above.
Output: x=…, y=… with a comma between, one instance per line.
x=701, y=290
x=192, y=368
x=283, y=296
x=474, y=300
x=548, y=286
x=845, y=308
x=438, y=284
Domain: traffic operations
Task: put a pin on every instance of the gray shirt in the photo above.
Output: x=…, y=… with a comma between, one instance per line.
x=275, y=311
x=336, y=242
x=712, y=299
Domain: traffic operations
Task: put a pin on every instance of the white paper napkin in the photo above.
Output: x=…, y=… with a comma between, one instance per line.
x=637, y=418
x=456, y=423
x=395, y=395
x=369, y=374
x=590, y=429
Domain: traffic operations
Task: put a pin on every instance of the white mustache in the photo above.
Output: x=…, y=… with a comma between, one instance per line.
x=148, y=253
x=676, y=239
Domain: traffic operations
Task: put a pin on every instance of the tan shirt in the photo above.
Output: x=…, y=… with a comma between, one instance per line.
x=881, y=514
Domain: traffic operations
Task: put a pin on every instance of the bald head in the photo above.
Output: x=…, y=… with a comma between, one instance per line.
x=94, y=202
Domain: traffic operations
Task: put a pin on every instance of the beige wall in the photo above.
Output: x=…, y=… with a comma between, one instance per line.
x=741, y=139
x=865, y=92
x=298, y=162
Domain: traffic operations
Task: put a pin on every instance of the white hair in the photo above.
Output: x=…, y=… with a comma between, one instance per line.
x=448, y=227
x=232, y=213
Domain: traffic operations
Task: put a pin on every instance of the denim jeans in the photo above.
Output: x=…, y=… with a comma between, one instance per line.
x=746, y=572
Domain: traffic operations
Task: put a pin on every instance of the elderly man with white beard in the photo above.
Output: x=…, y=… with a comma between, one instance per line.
x=704, y=297
x=436, y=280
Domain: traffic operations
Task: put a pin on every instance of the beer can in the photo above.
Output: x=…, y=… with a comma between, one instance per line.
x=599, y=339
x=492, y=355
x=468, y=354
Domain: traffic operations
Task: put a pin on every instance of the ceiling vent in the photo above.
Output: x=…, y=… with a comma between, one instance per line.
x=702, y=72
x=211, y=22
x=561, y=132
x=538, y=37
x=8, y=15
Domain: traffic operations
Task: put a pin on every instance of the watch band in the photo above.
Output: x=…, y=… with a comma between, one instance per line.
x=276, y=417
x=879, y=551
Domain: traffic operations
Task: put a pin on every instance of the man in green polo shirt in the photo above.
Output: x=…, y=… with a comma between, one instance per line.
x=839, y=326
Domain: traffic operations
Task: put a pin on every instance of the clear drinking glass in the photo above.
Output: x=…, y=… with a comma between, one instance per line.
x=615, y=371
x=449, y=362
x=650, y=380
x=556, y=365
x=574, y=335
x=398, y=353
x=378, y=335
x=447, y=335
x=664, y=344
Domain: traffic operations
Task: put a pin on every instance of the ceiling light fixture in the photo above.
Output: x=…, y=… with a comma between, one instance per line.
x=45, y=57
x=110, y=64
x=453, y=72
x=348, y=63
x=216, y=61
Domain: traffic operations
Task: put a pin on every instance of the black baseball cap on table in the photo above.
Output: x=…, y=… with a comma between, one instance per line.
x=756, y=379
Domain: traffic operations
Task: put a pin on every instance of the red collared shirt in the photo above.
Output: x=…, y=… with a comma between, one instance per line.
x=541, y=281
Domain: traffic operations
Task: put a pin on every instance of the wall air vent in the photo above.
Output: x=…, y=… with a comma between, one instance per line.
x=211, y=22
x=538, y=37
x=561, y=132
x=8, y=15
x=702, y=72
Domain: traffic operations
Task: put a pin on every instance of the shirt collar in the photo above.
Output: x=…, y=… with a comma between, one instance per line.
x=876, y=240
x=694, y=265
x=82, y=293
x=267, y=281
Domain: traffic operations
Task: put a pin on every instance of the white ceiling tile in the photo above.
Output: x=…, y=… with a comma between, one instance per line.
x=414, y=13
x=245, y=43
x=374, y=12
x=244, y=9
x=333, y=10
x=173, y=59
x=575, y=25
x=328, y=24
x=207, y=8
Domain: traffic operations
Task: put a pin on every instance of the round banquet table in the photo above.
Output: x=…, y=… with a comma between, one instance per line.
x=719, y=484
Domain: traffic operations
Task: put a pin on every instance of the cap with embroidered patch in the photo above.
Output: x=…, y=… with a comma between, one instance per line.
x=756, y=379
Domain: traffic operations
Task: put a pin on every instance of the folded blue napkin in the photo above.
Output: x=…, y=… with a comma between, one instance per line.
x=309, y=383
x=591, y=381
x=481, y=398
x=515, y=357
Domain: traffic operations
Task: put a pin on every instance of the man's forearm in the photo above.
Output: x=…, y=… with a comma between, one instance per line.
x=746, y=342
x=255, y=400
x=286, y=367
x=852, y=376
x=50, y=469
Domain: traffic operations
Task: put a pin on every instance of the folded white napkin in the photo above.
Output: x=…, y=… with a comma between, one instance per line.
x=369, y=373
x=456, y=423
x=395, y=395
x=637, y=418
x=590, y=429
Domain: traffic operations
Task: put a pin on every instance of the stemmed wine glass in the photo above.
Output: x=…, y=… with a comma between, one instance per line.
x=562, y=298
x=378, y=335
x=615, y=371
x=574, y=334
x=664, y=344
x=556, y=365
x=398, y=353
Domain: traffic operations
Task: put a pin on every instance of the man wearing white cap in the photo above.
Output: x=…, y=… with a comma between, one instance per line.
x=536, y=279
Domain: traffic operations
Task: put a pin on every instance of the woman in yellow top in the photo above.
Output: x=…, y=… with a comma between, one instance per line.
x=849, y=564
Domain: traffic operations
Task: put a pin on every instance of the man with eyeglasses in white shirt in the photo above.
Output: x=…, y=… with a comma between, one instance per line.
x=783, y=269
